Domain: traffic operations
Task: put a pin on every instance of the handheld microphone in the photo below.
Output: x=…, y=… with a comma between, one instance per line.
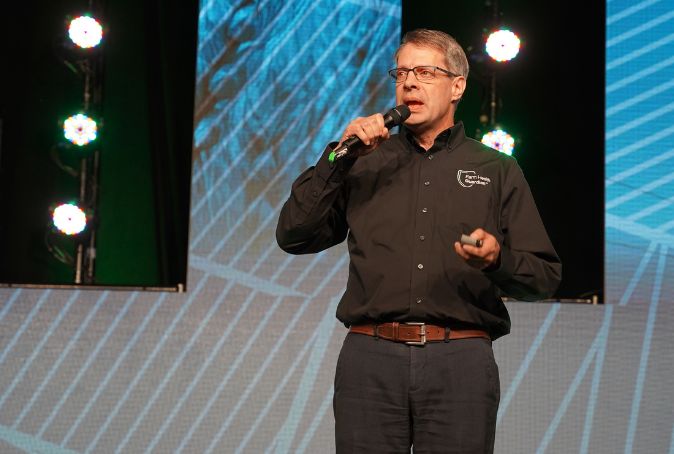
x=392, y=118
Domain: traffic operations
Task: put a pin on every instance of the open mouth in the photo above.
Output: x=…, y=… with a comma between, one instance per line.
x=414, y=104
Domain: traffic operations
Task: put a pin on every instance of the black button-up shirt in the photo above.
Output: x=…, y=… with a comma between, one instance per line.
x=402, y=208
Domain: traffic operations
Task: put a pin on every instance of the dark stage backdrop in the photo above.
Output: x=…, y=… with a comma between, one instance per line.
x=143, y=100
x=551, y=99
x=244, y=361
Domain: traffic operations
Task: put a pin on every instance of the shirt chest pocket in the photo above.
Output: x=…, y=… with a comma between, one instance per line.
x=465, y=209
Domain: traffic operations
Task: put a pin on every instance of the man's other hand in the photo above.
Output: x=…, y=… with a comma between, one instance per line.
x=486, y=256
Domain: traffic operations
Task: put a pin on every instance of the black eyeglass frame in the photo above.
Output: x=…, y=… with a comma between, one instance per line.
x=394, y=73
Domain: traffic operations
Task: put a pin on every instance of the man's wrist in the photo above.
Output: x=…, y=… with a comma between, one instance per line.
x=495, y=265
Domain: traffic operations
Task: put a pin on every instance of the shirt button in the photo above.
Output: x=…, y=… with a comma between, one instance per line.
x=422, y=238
x=426, y=183
x=418, y=300
x=424, y=210
x=420, y=266
x=430, y=156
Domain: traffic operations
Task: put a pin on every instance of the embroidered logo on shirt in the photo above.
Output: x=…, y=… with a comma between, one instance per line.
x=468, y=178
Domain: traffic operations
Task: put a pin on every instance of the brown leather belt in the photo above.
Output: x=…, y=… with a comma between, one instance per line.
x=413, y=333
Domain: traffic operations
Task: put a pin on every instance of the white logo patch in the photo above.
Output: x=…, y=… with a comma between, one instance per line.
x=468, y=178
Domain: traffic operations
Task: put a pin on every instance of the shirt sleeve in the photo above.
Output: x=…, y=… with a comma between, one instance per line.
x=313, y=218
x=529, y=267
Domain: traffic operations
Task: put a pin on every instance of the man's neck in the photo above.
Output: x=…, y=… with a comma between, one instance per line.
x=426, y=139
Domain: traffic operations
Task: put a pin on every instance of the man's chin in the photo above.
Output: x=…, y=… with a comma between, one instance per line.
x=413, y=124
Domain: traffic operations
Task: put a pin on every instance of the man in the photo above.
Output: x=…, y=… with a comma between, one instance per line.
x=417, y=368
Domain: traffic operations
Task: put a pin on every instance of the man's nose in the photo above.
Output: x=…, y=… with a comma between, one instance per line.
x=411, y=80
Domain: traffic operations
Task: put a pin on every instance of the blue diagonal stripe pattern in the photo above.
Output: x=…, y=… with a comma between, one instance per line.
x=29, y=443
x=87, y=364
x=618, y=15
x=69, y=347
x=599, y=341
x=596, y=381
x=645, y=350
x=307, y=385
x=524, y=367
x=44, y=297
x=639, y=157
x=38, y=348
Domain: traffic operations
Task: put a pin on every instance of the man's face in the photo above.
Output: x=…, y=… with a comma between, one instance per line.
x=430, y=102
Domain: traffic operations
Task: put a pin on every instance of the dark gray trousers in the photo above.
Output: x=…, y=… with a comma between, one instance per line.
x=438, y=398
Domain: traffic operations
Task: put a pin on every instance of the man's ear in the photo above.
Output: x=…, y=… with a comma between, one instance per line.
x=458, y=87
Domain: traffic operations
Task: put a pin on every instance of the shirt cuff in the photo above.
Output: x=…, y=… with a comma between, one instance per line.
x=505, y=269
x=333, y=171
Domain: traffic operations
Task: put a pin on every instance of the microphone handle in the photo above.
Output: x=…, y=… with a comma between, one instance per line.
x=344, y=149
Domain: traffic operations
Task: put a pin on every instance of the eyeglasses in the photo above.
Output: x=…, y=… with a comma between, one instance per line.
x=422, y=73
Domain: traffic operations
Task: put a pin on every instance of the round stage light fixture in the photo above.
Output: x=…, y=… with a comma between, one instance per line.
x=500, y=140
x=503, y=45
x=85, y=32
x=80, y=129
x=69, y=219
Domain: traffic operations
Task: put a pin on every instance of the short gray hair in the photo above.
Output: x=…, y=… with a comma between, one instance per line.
x=441, y=41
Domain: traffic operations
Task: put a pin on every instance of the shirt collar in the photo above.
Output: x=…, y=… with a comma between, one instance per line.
x=448, y=139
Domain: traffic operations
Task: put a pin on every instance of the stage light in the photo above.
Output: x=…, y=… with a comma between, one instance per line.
x=499, y=140
x=85, y=32
x=80, y=129
x=69, y=219
x=503, y=45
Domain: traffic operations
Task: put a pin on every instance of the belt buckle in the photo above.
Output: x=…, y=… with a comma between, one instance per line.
x=422, y=342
